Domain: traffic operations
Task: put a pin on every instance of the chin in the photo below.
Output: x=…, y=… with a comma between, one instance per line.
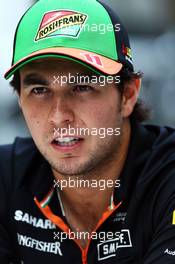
x=68, y=166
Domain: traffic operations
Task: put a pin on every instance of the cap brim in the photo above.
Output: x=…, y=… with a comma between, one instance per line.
x=95, y=61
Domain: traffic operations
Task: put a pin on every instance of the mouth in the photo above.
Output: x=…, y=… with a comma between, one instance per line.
x=66, y=143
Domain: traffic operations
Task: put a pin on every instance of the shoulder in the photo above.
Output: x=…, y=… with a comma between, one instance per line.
x=163, y=147
x=19, y=144
x=164, y=136
x=150, y=175
x=15, y=158
x=158, y=172
x=152, y=152
x=22, y=148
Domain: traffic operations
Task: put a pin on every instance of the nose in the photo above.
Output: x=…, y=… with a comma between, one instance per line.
x=61, y=112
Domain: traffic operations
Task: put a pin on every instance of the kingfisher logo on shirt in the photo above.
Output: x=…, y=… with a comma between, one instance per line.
x=109, y=248
x=61, y=23
x=48, y=247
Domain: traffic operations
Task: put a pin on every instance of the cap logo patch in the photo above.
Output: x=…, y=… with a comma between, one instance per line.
x=127, y=52
x=61, y=23
x=93, y=59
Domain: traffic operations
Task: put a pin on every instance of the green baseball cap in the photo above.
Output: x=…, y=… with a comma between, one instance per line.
x=87, y=31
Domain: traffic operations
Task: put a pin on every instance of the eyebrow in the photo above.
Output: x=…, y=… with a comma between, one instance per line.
x=34, y=78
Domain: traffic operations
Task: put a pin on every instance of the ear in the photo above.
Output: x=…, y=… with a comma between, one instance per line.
x=130, y=96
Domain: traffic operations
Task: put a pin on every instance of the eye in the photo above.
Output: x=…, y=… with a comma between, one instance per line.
x=39, y=90
x=82, y=88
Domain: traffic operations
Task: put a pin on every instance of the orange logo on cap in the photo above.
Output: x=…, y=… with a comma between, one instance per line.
x=93, y=59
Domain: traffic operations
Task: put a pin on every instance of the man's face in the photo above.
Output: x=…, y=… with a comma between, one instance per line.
x=49, y=106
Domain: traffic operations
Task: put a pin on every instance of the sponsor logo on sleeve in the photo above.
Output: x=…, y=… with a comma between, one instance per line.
x=109, y=248
x=61, y=23
x=170, y=252
x=173, y=220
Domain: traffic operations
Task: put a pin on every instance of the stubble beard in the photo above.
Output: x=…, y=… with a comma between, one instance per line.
x=105, y=152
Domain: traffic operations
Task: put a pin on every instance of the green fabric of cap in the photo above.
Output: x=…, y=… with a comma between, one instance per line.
x=88, y=38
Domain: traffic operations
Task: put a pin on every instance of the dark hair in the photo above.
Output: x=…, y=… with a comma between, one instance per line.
x=15, y=82
x=140, y=113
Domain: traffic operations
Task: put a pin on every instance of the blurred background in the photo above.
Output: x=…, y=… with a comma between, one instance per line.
x=151, y=26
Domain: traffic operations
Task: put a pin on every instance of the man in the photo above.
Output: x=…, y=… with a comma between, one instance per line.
x=92, y=185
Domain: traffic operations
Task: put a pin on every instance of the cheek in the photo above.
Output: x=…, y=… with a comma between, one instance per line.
x=34, y=119
x=103, y=115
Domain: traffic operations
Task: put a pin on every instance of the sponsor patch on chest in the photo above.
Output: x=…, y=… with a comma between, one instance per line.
x=109, y=248
x=31, y=220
